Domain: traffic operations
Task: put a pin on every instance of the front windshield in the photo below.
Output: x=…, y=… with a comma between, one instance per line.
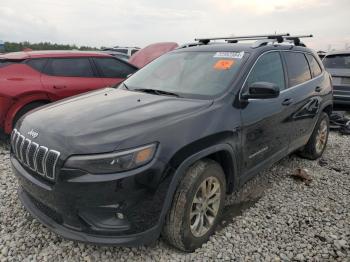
x=189, y=74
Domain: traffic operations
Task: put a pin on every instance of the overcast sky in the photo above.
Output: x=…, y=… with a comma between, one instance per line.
x=141, y=22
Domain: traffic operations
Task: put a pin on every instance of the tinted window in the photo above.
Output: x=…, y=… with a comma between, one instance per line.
x=5, y=62
x=37, y=64
x=298, y=68
x=113, y=68
x=268, y=68
x=337, y=61
x=72, y=67
x=134, y=51
x=314, y=66
x=124, y=51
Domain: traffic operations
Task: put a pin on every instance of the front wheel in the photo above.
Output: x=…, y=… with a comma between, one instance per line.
x=197, y=206
x=318, y=140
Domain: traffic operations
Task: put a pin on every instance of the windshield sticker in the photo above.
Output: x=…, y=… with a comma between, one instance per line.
x=235, y=55
x=224, y=64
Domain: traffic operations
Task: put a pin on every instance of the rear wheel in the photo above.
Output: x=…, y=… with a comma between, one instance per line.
x=197, y=206
x=318, y=140
x=26, y=109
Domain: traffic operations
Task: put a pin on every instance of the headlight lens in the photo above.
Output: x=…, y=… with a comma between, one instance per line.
x=113, y=162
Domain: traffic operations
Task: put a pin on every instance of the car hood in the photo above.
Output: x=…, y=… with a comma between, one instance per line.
x=99, y=121
x=339, y=72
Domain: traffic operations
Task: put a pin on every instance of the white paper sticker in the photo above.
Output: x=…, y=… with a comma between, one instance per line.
x=236, y=55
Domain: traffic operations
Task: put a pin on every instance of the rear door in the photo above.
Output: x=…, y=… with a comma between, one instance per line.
x=305, y=90
x=64, y=77
x=265, y=122
x=112, y=70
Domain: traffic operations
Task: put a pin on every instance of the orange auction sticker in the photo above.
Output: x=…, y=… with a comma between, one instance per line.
x=224, y=64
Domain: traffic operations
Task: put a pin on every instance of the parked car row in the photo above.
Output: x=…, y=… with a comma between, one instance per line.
x=158, y=154
x=32, y=79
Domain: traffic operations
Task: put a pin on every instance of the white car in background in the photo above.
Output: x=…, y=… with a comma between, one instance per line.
x=124, y=50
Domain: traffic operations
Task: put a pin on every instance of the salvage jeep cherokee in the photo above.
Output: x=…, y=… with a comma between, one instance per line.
x=158, y=154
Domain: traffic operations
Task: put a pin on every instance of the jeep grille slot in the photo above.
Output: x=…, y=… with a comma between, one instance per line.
x=38, y=158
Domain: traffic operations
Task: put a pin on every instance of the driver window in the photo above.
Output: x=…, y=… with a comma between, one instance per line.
x=268, y=68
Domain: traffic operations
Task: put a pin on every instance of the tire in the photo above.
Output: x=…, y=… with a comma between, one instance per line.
x=26, y=109
x=177, y=229
x=313, y=149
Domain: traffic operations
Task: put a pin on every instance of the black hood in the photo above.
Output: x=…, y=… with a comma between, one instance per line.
x=98, y=121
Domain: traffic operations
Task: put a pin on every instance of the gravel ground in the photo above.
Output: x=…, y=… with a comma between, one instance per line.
x=273, y=218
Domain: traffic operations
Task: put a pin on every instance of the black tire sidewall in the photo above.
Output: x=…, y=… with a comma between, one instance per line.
x=190, y=241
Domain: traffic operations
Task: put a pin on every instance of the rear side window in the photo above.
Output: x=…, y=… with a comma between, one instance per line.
x=337, y=61
x=113, y=68
x=268, y=68
x=314, y=65
x=7, y=62
x=70, y=67
x=298, y=68
x=37, y=64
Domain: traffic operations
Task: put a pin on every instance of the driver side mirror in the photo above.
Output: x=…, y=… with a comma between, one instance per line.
x=261, y=90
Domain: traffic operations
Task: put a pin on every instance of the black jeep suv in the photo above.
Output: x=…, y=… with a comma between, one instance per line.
x=157, y=154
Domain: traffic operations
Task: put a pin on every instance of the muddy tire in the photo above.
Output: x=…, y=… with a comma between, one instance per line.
x=318, y=140
x=197, y=206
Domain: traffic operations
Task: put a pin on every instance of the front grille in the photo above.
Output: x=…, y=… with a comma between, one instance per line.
x=38, y=158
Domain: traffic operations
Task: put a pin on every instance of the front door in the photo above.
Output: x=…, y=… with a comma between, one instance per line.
x=265, y=122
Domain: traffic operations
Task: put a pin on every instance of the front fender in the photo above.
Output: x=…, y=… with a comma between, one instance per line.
x=183, y=167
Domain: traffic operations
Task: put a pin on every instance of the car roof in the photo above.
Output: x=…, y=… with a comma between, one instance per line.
x=51, y=53
x=338, y=52
x=246, y=47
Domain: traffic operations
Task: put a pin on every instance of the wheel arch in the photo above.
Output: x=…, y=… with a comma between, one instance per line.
x=222, y=152
x=19, y=104
x=328, y=108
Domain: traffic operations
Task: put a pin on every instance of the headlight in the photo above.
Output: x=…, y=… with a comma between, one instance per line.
x=113, y=162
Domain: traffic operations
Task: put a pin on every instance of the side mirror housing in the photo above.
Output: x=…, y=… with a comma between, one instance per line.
x=261, y=90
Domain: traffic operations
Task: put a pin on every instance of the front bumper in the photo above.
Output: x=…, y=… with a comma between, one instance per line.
x=114, y=209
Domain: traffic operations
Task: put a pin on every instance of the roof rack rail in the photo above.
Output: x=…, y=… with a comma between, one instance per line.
x=296, y=39
x=235, y=39
x=261, y=39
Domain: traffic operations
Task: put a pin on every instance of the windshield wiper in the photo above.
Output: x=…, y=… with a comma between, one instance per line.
x=156, y=92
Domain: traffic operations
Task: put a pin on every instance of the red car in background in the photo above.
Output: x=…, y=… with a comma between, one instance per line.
x=31, y=79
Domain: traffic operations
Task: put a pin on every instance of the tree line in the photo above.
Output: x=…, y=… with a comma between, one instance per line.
x=14, y=47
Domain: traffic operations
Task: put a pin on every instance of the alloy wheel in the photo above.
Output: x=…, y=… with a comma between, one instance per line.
x=205, y=206
x=321, y=138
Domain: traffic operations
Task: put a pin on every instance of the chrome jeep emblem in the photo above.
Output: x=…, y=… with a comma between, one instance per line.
x=33, y=134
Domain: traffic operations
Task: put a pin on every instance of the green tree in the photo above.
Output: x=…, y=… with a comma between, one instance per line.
x=15, y=47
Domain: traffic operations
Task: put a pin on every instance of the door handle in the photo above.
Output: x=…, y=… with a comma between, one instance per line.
x=318, y=89
x=59, y=86
x=287, y=102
